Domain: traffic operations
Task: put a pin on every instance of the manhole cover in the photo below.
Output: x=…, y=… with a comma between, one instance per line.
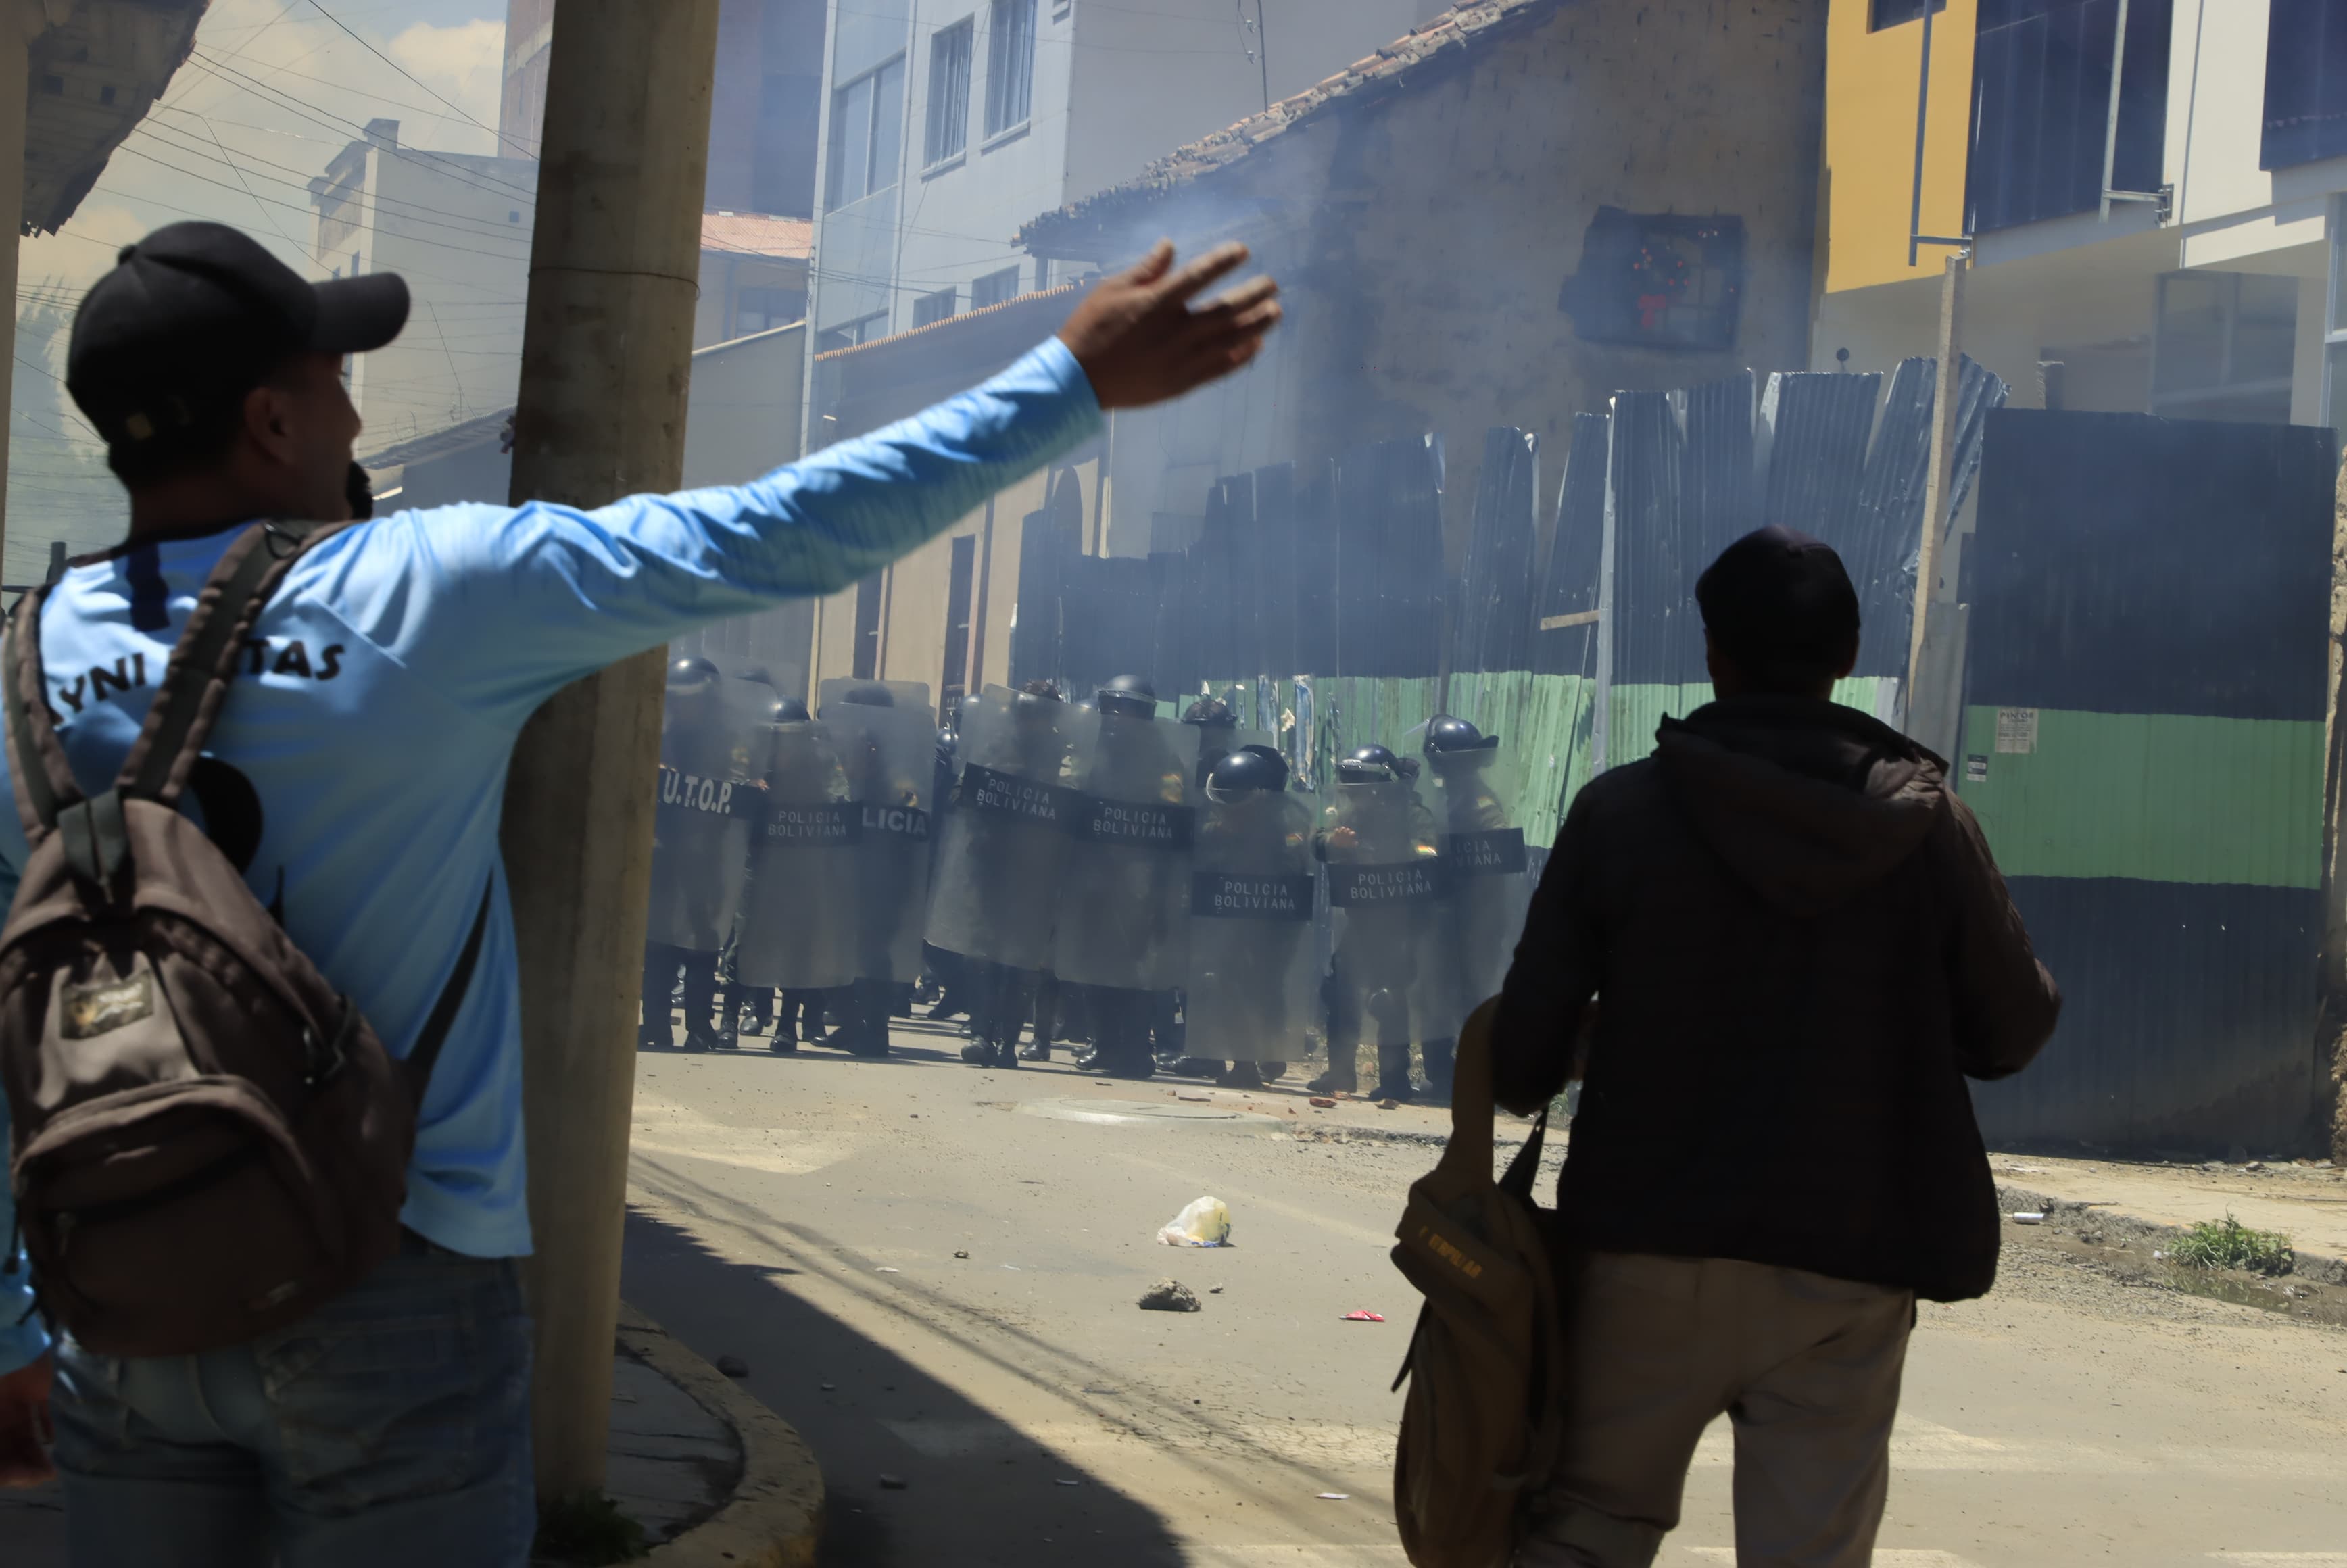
x=1132, y=1113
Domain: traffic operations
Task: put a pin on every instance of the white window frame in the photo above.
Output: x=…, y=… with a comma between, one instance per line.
x=953, y=113
x=1001, y=66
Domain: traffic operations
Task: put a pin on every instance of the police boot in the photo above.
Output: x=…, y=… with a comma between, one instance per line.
x=1343, y=1076
x=660, y=981
x=1238, y=1075
x=1438, y=1056
x=868, y=1003
x=700, y=1002
x=1393, y=1073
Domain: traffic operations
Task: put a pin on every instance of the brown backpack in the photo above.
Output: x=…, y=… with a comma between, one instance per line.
x=209, y=1140
x=1483, y=1418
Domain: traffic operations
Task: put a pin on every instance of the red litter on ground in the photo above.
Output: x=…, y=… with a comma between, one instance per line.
x=1363, y=1318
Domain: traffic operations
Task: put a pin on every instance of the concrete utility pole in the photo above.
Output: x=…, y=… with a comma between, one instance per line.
x=1941, y=481
x=606, y=354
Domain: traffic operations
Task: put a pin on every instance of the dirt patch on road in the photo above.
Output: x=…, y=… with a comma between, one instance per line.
x=2126, y=1252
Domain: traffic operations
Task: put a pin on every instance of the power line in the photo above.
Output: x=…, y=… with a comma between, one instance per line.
x=394, y=65
x=313, y=112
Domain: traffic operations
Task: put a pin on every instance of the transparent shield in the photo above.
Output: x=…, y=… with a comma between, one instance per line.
x=1249, y=990
x=1124, y=901
x=1485, y=886
x=1384, y=887
x=997, y=869
x=889, y=754
x=799, y=913
x=707, y=804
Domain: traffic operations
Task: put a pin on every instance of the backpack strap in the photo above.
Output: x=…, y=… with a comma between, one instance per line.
x=41, y=778
x=195, y=683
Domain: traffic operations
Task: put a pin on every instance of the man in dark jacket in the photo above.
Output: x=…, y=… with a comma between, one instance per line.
x=1779, y=946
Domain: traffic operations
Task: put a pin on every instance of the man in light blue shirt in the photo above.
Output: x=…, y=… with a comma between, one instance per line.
x=355, y=777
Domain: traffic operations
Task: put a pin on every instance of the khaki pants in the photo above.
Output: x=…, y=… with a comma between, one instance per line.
x=1806, y=1366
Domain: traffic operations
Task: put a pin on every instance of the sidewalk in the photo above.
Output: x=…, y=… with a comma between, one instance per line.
x=673, y=1463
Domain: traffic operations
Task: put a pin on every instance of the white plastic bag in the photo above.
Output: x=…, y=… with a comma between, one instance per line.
x=1206, y=1222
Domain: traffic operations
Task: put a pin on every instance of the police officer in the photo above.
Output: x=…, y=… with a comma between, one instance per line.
x=1250, y=966
x=797, y=926
x=1377, y=840
x=1123, y=926
x=1484, y=886
x=945, y=970
x=998, y=871
x=699, y=852
x=887, y=778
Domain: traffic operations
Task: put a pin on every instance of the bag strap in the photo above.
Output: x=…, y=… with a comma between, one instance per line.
x=195, y=683
x=435, y=1033
x=41, y=778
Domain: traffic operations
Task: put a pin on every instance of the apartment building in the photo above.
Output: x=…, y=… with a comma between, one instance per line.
x=2153, y=215
x=950, y=123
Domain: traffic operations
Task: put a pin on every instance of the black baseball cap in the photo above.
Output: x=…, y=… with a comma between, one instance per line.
x=1778, y=601
x=196, y=315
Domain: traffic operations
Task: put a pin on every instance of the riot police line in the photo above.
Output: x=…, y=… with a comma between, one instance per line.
x=1140, y=889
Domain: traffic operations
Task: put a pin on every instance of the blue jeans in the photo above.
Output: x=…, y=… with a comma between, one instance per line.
x=391, y=1426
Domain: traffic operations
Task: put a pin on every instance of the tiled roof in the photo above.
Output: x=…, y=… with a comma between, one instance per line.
x=757, y=234
x=1466, y=24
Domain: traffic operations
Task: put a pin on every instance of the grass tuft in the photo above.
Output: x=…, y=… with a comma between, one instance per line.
x=2229, y=1243
x=587, y=1529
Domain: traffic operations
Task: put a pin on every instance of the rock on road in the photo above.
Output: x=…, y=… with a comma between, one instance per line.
x=804, y=1213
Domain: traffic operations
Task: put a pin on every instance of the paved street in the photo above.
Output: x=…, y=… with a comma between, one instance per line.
x=804, y=1213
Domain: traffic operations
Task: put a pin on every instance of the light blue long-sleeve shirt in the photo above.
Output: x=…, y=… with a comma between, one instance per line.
x=389, y=675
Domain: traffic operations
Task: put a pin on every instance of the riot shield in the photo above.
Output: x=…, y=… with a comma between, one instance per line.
x=1125, y=897
x=799, y=914
x=1251, y=984
x=889, y=757
x=701, y=824
x=1485, y=889
x=994, y=891
x=1379, y=840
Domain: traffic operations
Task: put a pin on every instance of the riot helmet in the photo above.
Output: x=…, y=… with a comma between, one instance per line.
x=787, y=711
x=1210, y=712
x=1250, y=770
x=691, y=674
x=1368, y=765
x=1456, y=744
x=1127, y=697
x=758, y=674
x=870, y=695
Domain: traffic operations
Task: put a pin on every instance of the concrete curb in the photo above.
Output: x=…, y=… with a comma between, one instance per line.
x=776, y=1516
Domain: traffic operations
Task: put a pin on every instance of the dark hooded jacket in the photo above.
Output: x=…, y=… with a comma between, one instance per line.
x=1798, y=948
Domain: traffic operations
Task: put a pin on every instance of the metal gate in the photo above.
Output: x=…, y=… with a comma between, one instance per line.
x=2143, y=742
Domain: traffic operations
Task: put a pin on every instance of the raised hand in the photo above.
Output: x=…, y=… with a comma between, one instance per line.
x=1140, y=340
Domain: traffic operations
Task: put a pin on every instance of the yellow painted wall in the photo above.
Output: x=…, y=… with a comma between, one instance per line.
x=1870, y=83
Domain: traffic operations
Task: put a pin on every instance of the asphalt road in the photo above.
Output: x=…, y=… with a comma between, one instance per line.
x=1015, y=1406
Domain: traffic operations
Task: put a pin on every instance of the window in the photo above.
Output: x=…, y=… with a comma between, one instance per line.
x=758, y=310
x=957, y=671
x=867, y=119
x=994, y=288
x=933, y=308
x=1010, y=64
x=1892, y=13
x=1657, y=280
x=2306, y=83
x=2222, y=346
x=861, y=331
x=948, y=124
x=2042, y=103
